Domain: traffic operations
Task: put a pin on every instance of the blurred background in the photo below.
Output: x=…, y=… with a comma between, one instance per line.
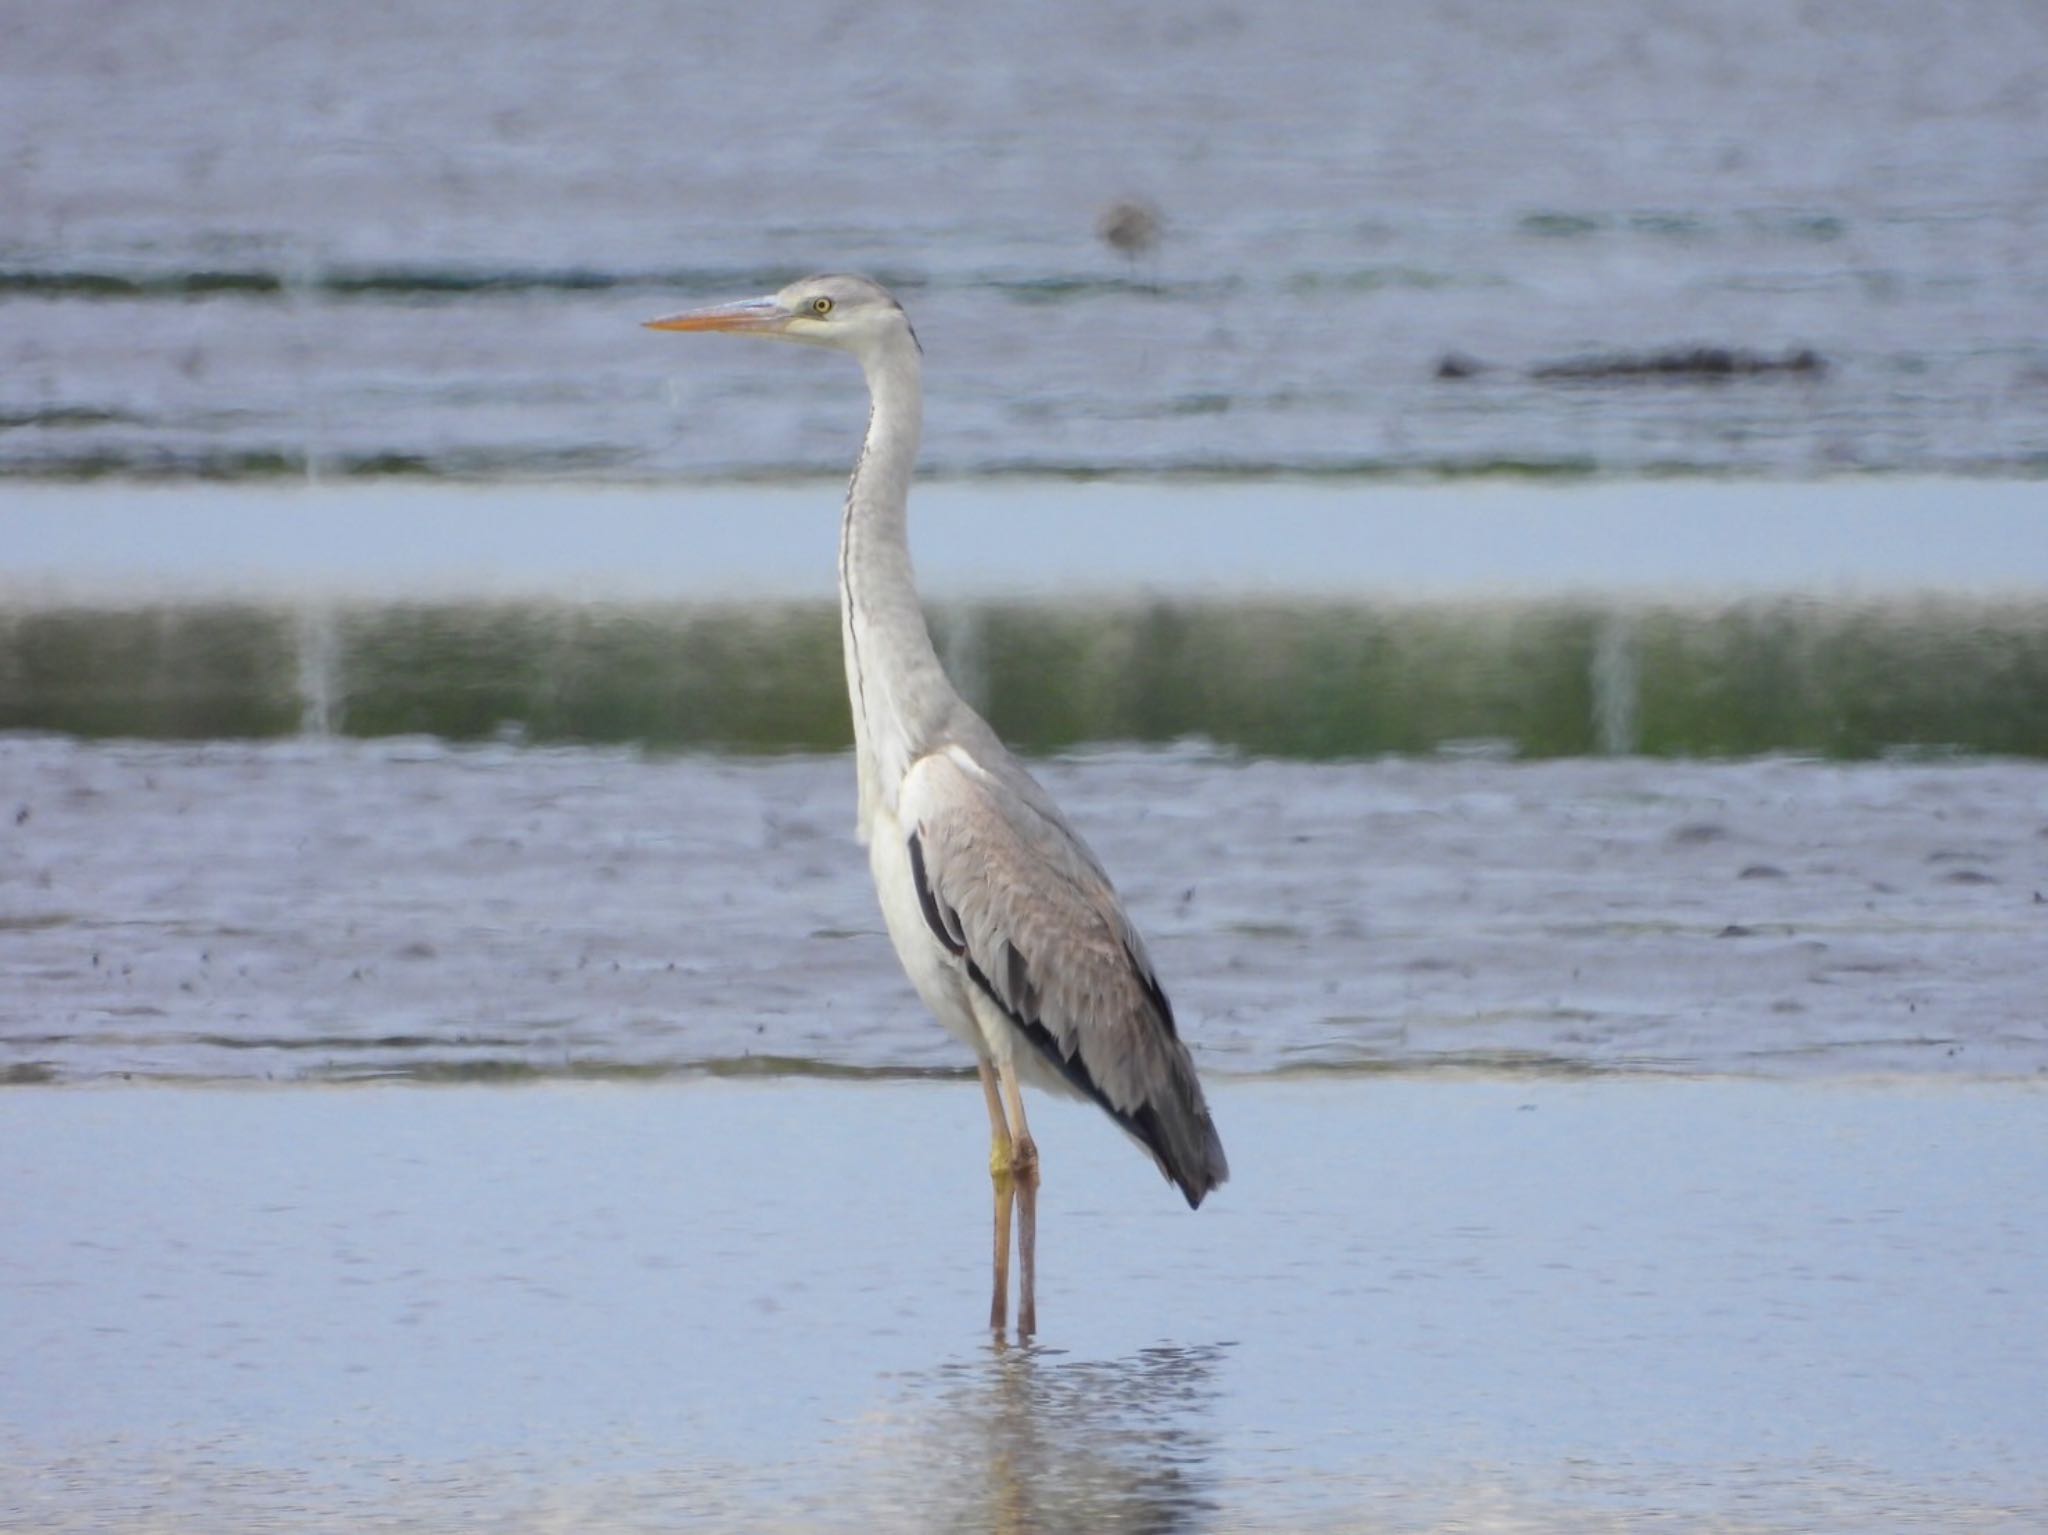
x=410, y=237
x=1289, y=269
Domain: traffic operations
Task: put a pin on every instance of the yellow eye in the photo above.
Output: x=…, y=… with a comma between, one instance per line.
x=821, y=306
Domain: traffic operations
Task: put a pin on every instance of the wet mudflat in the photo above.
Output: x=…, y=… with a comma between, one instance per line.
x=329, y=909
x=1422, y=1303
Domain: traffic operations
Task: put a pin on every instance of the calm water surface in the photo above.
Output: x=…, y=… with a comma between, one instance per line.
x=1704, y=539
x=1419, y=1305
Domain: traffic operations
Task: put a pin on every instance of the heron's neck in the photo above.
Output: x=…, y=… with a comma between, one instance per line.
x=898, y=691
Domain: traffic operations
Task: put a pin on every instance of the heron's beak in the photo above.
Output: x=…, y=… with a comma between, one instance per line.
x=754, y=314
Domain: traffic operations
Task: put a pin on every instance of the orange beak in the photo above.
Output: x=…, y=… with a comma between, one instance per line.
x=754, y=314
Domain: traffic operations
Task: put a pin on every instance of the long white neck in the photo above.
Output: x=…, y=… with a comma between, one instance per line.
x=900, y=695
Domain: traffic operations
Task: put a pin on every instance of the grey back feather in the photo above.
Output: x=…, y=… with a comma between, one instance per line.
x=1027, y=906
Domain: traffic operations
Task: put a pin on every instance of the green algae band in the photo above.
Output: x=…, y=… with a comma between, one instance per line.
x=1314, y=679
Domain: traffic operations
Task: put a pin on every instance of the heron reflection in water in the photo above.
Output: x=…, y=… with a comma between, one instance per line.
x=1025, y=1439
x=1005, y=921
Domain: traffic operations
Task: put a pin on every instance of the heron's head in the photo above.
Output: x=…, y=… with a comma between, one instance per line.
x=851, y=313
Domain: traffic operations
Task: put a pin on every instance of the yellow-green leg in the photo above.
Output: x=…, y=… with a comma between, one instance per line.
x=1024, y=1173
x=1002, y=1174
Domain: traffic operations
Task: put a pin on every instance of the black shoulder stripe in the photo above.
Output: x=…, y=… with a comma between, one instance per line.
x=1023, y=995
x=1154, y=993
x=1072, y=1067
x=1141, y=1122
x=945, y=925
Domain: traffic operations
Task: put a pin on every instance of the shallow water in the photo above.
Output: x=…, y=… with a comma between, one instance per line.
x=327, y=909
x=243, y=243
x=1699, y=539
x=1475, y=1304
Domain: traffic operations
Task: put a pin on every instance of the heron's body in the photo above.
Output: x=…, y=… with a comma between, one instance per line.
x=1005, y=922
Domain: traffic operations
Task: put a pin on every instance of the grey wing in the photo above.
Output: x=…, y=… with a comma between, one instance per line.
x=1022, y=904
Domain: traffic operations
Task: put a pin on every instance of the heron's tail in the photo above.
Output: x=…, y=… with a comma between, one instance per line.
x=1173, y=1124
x=1185, y=1145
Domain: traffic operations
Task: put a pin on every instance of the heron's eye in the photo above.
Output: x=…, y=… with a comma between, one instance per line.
x=821, y=306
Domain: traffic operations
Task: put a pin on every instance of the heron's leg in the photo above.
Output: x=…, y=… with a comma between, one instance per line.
x=1024, y=1168
x=1000, y=1173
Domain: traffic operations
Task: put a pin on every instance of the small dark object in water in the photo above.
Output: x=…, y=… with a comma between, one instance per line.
x=1130, y=226
x=1694, y=833
x=1459, y=365
x=1699, y=362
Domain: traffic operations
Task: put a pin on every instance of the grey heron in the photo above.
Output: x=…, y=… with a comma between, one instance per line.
x=1005, y=922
